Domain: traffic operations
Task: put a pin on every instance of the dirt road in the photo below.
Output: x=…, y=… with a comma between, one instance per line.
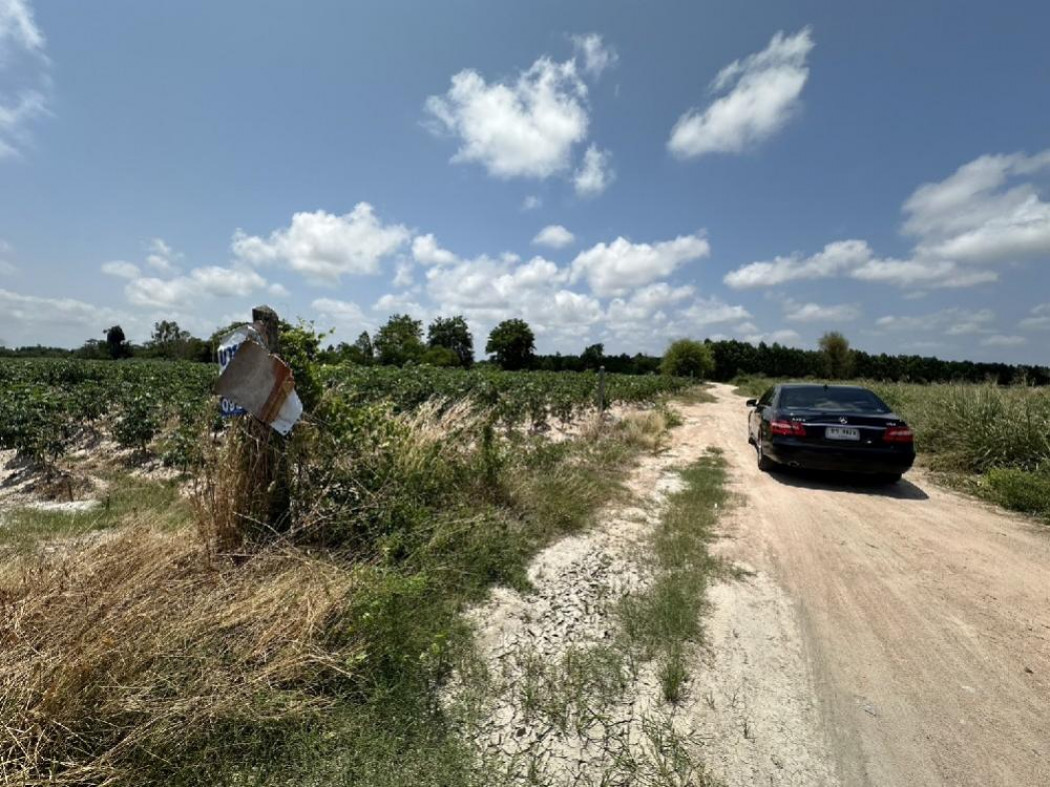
x=924, y=618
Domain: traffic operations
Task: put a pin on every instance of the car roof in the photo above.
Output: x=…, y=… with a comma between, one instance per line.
x=822, y=385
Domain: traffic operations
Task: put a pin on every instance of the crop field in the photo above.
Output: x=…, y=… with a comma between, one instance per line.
x=309, y=650
x=994, y=440
x=49, y=406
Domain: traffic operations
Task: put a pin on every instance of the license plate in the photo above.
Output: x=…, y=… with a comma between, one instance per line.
x=842, y=433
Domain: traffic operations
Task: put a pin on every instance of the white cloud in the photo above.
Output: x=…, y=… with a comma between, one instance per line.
x=120, y=269
x=597, y=55
x=711, y=311
x=855, y=258
x=1038, y=319
x=936, y=274
x=425, y=250
x=613, y=269
x=323, y=246
x=595, y=174
x=644, y=304
x=524, y=128
x=951, y=322
x=815, y=312
x=835, y=258
x=999, y=340
x=17, y=309
x=211, y=281
x=531, y=202
x=162, y=257
x=403, y=276
x=976, y=216
x=24, y=75
x=555, y=236
x=342, y=312
x=764, y=91
x=7, y=268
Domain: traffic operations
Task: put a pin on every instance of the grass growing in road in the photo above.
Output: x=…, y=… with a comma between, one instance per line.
x=664, y=621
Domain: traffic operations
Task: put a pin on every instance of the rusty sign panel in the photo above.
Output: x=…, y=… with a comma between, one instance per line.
x=262, y=384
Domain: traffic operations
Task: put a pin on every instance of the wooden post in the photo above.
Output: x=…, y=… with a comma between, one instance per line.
x=268, y=484
x=601, y=389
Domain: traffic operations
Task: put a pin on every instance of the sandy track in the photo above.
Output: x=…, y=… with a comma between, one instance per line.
x=924, y=620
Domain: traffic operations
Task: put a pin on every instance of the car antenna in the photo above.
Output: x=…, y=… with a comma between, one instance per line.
x=825, y=386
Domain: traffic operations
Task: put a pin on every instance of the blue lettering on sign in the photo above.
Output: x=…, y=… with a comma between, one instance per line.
x=227, y=408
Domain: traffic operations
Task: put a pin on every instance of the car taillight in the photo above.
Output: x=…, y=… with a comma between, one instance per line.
x=791, y=428
x=898, y=434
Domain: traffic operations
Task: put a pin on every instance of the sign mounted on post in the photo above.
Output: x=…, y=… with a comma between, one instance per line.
x=263, y=384
x=227, y=349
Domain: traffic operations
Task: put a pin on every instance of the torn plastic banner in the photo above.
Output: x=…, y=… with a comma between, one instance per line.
x=263, y=385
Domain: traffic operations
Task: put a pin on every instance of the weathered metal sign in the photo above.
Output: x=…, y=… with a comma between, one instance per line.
x=263, y=385
x=227, y=349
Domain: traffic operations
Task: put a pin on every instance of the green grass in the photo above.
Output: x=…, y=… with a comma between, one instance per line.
x=667, y=617
x=25, y=528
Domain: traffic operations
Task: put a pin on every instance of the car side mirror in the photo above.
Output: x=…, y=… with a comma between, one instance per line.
x=752, y=402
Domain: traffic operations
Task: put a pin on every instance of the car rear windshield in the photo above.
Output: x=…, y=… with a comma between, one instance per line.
x=817, y=397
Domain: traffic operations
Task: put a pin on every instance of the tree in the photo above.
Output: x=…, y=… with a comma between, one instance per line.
x=116, y=342
x=593, y=356
x=453, y=333
x=399, y=341
x=441, y=356
x=688, y=358
x=512, y=343
x=168, y=340
x=837, y=355
x=363, y=345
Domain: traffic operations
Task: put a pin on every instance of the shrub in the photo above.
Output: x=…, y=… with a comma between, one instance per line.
x=688, y=358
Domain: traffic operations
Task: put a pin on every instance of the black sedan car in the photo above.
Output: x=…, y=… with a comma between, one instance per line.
x=829, y=427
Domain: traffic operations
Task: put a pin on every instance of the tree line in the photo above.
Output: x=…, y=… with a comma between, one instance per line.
x=448, y=342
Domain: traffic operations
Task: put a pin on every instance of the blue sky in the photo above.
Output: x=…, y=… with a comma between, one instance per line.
x=610, y=171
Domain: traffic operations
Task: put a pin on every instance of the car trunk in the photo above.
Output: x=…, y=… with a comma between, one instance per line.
x=842, y=430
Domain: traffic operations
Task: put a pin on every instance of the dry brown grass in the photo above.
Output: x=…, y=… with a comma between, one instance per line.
x=115, y=658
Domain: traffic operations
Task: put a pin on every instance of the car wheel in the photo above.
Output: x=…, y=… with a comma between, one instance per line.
x=765, y=464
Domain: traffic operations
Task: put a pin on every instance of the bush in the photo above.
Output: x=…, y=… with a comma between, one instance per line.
x=688, y=358
x=1019, y=490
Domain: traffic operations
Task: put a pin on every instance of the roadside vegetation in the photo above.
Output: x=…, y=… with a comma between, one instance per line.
x=991, y=440
x=664, y=623
x=189, y=645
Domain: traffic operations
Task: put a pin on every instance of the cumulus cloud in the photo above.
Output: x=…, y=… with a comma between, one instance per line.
x=951, y=322
x=162, y=257
x=761, y=93
x=710, y=311
x=17, y=309
x=855, y=258
x=833, y=260
x=613, y=269
x=815, y=312
x=595, y=174
x=324, y=247
x=120, y=269
x=976, y=215
x=555, y=236
x=24, y=75
x=521, y=128
x=345, y=314
x=597, y=56
x=999, y=340
x=210, y=281
x=426, y=251
x=1038, y=319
